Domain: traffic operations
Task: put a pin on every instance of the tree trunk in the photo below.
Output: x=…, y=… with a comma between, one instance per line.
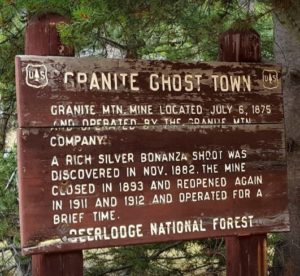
x=287, y=52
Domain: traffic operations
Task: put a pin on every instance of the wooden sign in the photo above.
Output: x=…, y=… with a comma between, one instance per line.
x=117, y=152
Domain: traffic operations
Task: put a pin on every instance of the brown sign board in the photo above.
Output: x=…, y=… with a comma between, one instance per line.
x=119, y=152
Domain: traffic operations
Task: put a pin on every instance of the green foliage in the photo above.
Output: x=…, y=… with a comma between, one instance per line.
x=11, y=259
x=33, y=7
x=11, y=43
x=149, y=29
x=177, y=258
x=8, y=196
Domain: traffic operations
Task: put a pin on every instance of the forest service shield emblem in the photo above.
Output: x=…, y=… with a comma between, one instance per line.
x=270, y=79
x=36, y=75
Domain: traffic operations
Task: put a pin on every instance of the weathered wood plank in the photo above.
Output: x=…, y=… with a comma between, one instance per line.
x=156, y=153
x=189, y=144
x=157, y=100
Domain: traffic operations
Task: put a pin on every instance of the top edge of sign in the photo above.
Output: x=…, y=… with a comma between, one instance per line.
x=102, y=59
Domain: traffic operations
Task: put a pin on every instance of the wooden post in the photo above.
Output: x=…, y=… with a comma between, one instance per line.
x=247, y=255
x=42, y=38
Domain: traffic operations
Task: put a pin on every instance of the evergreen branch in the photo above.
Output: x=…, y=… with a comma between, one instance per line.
x=6, y=270
x=176, y=258
x=7, y=114
x=164, y=249
x=113, y=43
x=13, y=36
x=9, y=248
x=12, y=177
x=3, y=132
x=200, y=267
x=112, y=270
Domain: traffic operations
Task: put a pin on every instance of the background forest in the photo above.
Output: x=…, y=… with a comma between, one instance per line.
x=153, y=29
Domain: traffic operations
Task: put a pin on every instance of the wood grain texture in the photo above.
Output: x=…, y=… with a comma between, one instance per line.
x=245, y=255
x=36, y=113
x=42, y=38
x=63, y=264
x=115, y=141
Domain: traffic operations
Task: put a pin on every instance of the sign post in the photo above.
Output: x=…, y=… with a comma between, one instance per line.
x=245, y=255
x=42, y=38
